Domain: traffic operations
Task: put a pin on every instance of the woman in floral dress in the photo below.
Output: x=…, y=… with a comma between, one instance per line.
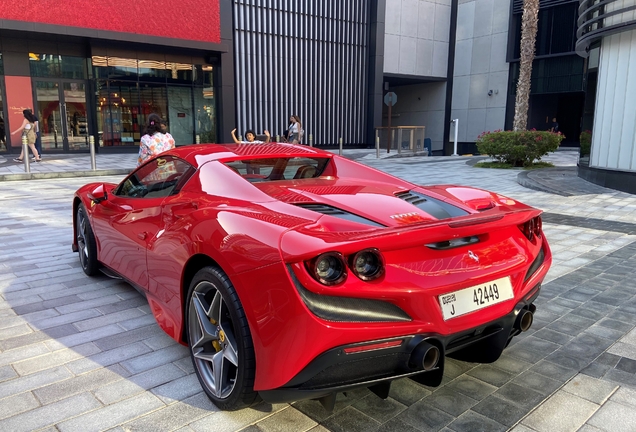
x=155, y=141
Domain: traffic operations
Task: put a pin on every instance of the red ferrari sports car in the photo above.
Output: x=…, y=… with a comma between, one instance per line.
x=293, y=273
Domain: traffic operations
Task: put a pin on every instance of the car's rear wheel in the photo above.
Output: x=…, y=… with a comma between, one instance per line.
x=86, y=245
x=220, y=340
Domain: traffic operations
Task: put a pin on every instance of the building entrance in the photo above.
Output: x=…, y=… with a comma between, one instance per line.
x=61, y=109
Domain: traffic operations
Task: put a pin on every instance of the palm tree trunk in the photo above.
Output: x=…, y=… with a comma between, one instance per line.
x=529, y=26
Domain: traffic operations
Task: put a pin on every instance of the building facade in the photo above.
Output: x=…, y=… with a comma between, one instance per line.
x=251, y=64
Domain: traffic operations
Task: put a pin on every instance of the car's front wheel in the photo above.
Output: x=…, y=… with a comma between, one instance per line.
x=220, y=340
x=86, y=245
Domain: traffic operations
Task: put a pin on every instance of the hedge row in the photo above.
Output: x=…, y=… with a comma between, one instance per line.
x=518, y=148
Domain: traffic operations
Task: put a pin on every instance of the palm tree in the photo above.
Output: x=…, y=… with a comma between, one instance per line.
x=529, y=26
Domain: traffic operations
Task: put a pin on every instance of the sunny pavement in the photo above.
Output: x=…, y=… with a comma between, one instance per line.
x=84, y=354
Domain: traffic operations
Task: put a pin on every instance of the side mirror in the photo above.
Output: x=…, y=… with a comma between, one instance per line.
x=98, y=194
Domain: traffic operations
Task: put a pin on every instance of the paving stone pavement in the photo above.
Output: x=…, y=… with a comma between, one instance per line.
x=84, y=354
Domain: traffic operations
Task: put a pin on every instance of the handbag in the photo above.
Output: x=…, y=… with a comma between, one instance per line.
x=30, y=134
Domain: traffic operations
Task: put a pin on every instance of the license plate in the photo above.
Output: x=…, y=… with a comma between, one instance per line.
x=477, y=297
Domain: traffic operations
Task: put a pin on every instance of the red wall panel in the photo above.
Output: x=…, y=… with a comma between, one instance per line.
x=183, y=19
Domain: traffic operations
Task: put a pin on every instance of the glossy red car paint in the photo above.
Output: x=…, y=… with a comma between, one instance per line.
x=261, y=236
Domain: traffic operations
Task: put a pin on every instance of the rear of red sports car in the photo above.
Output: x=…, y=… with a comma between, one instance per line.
x=293, y=273
x=388, y=281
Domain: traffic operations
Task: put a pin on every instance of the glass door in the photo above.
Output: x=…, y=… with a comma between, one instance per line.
x=61, y=109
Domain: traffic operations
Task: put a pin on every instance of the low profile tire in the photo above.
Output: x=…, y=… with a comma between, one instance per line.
x=220, y=341
x=86, y=245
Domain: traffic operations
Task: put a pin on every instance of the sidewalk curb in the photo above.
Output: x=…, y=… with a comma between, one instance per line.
x=524, y=180
x=64, y=174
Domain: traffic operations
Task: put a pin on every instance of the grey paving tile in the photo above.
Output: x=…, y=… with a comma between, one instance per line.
x=554, y=371
x=424, y=417
x=17, y=404
x=490, y=374
x=511, y=364
x=407, y=391
x=394, y=425
x=47, y=361
x=51, y=414
x=472, y=387
x=595, y=370
x=450, y=401
x=155, y=358
x=624, y=396
x=591, y=389
x=287, y=419
x=519, y=396
x=178, y=389
x=537, y=382
x=472, y=422
x=175, y=416
x=614, y=417
x=231, y=421
x=500, y=410
x=627, y=365
x=112, y=415
x=563, y=412
x=75, y=385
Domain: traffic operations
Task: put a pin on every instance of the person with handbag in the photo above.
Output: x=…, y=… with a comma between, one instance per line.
x=295, y=130
x=28, y=130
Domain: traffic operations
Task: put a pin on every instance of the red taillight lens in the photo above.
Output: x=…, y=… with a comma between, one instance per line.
x=367, y=264
x=373, y=347
x=532, y=228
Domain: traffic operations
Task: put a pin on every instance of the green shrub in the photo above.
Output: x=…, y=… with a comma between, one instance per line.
x=518, y=148
x=586, y=142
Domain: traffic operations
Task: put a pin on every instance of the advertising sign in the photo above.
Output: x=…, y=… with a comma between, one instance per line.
x=19, y=98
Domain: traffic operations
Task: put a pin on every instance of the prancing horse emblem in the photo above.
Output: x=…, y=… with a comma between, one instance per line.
x=473, y=256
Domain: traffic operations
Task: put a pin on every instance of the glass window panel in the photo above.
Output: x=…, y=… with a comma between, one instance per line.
x=205, y=114
x=152, y=70
x=73, y=67
x=100, y=66
x=1, y=65
x=121, y=68
x=104, y=119
x=49, y=114
x=45, y=65
x=76, y=115
x=179, y=73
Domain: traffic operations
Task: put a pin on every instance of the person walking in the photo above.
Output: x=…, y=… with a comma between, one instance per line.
x=155, y=140
x=295, y=130
x=28, y=129
x=554, y=126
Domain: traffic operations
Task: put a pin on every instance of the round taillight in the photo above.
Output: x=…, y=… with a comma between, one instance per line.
x=367, y=264
x=328, y=268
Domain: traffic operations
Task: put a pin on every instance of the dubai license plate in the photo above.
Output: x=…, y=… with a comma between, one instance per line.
x=477, y=297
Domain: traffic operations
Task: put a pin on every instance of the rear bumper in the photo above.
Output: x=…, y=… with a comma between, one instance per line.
x=337, y=370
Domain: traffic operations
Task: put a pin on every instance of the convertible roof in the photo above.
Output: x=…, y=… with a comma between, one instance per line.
x=197, y=155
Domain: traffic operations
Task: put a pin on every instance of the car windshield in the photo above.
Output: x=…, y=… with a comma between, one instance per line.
x=273, y=169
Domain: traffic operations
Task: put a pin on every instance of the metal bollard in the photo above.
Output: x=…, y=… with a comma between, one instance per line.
x=377, y=146
x=277, y=138
x=25, y=154
x=311, y=140
x=197, y=139
x=91, y=147
x=340, y=153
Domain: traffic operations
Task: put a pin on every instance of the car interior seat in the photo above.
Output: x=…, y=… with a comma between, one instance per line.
x=305, y=171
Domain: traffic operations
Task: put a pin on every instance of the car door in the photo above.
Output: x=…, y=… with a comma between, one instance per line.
x=131, y=217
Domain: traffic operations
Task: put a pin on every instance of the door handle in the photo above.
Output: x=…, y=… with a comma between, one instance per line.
x=142, y=235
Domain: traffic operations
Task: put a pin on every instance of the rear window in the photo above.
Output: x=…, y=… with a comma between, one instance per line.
x=273, y=169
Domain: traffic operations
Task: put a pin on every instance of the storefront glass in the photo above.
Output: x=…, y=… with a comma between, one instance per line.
x=128, y=90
